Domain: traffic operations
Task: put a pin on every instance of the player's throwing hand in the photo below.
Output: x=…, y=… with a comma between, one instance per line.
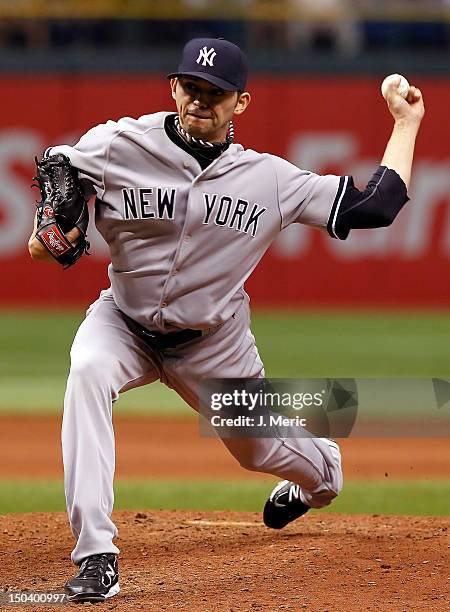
x=410, y=109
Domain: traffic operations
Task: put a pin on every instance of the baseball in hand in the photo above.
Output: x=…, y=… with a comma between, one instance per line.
x=402, y=89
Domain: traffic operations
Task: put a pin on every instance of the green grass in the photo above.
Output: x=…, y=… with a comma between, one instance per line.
x=34, y=353
x=354, y=344
x=373, y=497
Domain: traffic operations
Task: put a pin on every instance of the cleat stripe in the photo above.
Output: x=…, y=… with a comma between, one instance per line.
x=279, y=486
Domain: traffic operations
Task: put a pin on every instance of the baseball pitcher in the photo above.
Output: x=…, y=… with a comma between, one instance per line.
x=187, y=214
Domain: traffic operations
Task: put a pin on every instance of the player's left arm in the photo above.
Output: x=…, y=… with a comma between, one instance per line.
x=387, y=191
x=38, y=251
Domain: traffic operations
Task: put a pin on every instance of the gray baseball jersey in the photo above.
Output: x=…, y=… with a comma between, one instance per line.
x=183, y=241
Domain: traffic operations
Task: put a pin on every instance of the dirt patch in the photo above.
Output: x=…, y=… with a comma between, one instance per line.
x=171, y=448
x=218, y=561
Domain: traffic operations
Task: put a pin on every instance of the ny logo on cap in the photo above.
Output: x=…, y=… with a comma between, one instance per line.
x=206, y=56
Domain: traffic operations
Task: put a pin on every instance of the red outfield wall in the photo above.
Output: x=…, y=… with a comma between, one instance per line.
x=337, y=125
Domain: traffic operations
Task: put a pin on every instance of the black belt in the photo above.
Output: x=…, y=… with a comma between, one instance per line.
x=158, y=340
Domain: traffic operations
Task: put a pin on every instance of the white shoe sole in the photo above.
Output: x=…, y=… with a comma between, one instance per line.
x=113, y=591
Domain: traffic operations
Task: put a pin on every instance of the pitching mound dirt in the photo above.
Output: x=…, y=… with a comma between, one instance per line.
x=216, y=561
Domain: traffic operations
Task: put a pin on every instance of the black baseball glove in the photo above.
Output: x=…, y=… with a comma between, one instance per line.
x=62, y=207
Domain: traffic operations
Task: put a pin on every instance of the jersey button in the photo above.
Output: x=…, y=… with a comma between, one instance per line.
x=163, y=304
x=187, y=164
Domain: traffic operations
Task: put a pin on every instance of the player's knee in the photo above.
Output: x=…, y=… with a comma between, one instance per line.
x=80, y=366
x=332, y=494
x=91, y=367
x=324, y=498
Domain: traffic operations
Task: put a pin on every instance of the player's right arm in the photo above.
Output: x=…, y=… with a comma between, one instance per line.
x=408, y=114
x=387, y=191
x=334, y=202
x=307, y=197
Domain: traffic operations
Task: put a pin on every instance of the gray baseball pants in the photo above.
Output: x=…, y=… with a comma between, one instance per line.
x=107, y=359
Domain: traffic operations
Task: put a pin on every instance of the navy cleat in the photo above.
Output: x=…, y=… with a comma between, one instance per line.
x=284, y=505
x=97, y=579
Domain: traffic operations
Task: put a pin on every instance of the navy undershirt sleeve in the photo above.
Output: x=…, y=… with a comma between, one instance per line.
x=376, y=206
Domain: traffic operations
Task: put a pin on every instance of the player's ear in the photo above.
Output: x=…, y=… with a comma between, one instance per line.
x=173, y=86
x=243, y=101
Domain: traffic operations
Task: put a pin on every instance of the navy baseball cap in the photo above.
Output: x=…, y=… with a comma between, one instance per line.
x=216, y=60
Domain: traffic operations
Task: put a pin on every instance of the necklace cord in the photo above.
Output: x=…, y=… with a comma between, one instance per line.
x=203, y=143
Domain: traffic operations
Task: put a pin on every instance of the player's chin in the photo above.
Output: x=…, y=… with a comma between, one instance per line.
x=198, y=124
x=204, y=134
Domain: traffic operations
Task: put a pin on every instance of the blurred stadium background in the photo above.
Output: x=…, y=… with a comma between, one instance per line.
x=375, y=305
